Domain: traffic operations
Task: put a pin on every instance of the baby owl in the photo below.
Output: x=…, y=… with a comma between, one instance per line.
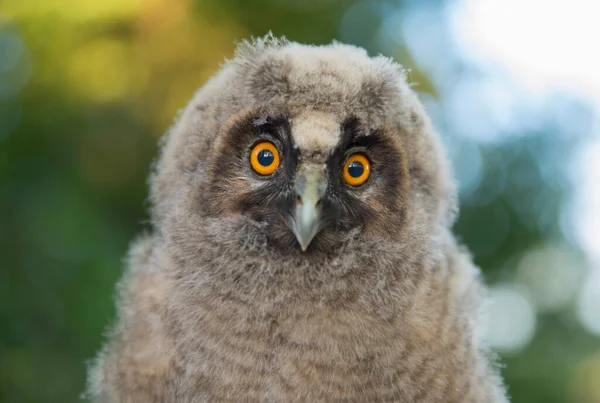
x=301, y=248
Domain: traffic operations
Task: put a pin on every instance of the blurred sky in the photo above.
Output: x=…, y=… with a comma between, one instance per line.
x=564, y=36
x=504, y=33
x=88, y=86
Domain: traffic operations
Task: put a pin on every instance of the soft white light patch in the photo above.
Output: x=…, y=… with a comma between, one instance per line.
x=588, y=305
x=586, y=206
x=552, y=276
x=542, y=44
x=586, y=212
x=511, y=319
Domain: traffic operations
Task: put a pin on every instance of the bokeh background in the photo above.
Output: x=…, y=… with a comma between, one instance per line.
x=87, y=87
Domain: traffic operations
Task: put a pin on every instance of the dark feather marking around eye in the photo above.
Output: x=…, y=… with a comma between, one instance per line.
x=275, y=126
x=277, y=189
x=273, y=197
x=231, y=164
x=346, y=211
x=350, y=129
x=384, y=203
x=375, y=139
x=279, y=128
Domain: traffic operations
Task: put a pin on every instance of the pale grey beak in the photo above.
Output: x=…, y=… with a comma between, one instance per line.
x=305, y=219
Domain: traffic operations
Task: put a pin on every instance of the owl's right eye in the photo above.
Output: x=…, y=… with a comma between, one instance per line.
x=264, y=158
x=356, y=170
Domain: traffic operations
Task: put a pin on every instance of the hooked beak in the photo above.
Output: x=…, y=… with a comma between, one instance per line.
x=305, y=218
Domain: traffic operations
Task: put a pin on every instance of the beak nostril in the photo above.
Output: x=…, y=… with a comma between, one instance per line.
x=319, y=203
x=298, y=200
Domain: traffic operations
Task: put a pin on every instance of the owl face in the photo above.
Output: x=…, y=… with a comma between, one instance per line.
x=308, y=178
x=301, y=151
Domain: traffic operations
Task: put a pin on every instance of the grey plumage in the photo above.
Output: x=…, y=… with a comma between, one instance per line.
x=219, y=303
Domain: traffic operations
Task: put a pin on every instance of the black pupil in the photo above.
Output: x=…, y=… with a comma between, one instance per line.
x=356, y=169
x=265, y=158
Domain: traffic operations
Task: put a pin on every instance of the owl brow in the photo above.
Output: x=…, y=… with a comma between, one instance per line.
x=275, y=126
x=279, y=128
x=370, y=141
x=351, y=137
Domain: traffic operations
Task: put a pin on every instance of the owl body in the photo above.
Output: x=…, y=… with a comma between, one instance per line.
x=300, y=284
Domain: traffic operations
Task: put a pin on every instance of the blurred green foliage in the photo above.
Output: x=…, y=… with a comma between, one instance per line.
x=86, y=90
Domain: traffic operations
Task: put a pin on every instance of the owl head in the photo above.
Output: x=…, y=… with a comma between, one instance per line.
x=296, y=150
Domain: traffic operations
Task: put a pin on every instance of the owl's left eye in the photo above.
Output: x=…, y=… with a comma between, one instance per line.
x=264, y=158
x=356, y=170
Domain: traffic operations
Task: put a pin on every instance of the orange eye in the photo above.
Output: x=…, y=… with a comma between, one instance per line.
x=264, y=158
x=357, y=170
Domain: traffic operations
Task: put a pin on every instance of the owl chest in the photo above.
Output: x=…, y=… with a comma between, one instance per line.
x=317, y=358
